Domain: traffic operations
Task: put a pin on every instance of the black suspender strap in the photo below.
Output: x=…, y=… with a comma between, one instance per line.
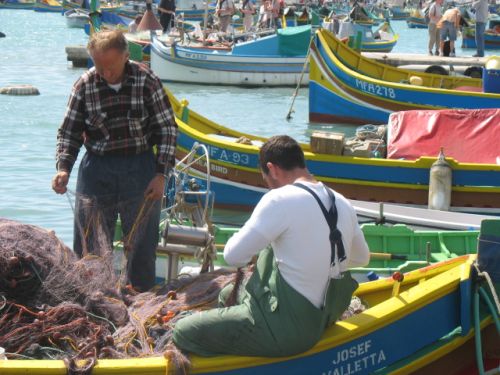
x=331, y=217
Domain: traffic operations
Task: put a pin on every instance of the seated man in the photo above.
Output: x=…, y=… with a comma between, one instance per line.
x=300, y=286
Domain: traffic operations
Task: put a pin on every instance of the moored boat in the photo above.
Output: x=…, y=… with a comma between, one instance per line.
x=381, y=39
x=491, y=38
x=238, y=184
x=276, y=60
x=416, y=20
x=52, y=6
x=76, y=18
x=17, y=4
x=398, y=13
x=346, y=87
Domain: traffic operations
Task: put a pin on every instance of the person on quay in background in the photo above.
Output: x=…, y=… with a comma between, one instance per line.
x=448, y=26
x=278, y=10
x=166, y=11
x=299, y=287
x=248, y=11
x=132, y=26
x=481, y=8
x=118, y=110
x=265, y=14
x=435, y=13
x=224, y=11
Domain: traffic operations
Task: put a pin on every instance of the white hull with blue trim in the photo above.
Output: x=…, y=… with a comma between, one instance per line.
x=253, y=63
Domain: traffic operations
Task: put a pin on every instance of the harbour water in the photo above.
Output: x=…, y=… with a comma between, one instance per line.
x=33, y=52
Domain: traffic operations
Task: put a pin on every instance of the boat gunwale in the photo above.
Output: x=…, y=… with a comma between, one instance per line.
x=323, y=35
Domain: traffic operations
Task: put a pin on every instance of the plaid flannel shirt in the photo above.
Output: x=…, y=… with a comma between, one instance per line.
x=126, y=122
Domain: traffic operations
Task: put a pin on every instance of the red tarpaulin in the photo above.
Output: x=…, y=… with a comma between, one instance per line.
x=471, y=136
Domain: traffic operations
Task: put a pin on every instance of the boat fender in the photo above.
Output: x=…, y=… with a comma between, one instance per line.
x=19, y=90
x=416, y=81
x=436, y=69
x=185, y=110
x=492, y=63
x=2, y=35
x=440, y=184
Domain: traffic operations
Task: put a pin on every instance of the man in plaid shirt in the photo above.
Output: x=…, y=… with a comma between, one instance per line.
x=118, y=110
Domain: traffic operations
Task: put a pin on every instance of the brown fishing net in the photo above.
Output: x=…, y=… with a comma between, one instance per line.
x=56, y=306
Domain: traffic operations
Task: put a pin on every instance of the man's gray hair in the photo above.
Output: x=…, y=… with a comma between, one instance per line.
x=106, y=40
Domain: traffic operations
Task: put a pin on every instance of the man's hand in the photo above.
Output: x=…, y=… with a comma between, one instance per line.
x=155, y=188
x=60, y=181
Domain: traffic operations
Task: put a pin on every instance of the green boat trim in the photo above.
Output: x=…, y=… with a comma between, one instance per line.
x=414, y=248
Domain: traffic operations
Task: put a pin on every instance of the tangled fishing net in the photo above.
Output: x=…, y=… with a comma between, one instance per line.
x=54, y=305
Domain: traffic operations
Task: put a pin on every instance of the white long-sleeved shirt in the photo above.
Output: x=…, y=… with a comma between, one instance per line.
x=290, y=219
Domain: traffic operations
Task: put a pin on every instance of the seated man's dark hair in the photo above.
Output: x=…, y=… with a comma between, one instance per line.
x=283, y=151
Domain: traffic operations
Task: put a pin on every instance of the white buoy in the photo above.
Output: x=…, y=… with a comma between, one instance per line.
x=2, y=354
x=440, y=184
x=19, y=90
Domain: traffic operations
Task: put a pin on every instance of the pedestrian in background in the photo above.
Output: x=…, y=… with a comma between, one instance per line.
x=224, y=10
x=435, y=13
x=166, y=11
x=448, y=26
x=248, y=10
x=132, y=26
x=481, y=8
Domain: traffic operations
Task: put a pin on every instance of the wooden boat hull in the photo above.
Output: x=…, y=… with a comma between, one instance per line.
x=346, y=87
x=381, y=46
x=17, y=5
x=76, y=19
x=367, y=342
x=416, y=23
x=178, y=64
x=238, y=184
x=50, y=6
x=382, y=39
x=398, y=14
x=491, y=41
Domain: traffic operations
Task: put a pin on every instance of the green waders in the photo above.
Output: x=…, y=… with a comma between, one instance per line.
x=271, y=319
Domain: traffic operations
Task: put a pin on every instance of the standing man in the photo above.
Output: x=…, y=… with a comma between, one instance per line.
x=448, y=26
x=299, y=287
x=132, y=26
x=435, y=13
x=481, y=8
x=166, y=11
x=118, y=110
x=224, y=11
x=265, y=14
x=248, y=11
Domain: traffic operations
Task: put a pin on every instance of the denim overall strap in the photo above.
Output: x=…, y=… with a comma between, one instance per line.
x=331, y=217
